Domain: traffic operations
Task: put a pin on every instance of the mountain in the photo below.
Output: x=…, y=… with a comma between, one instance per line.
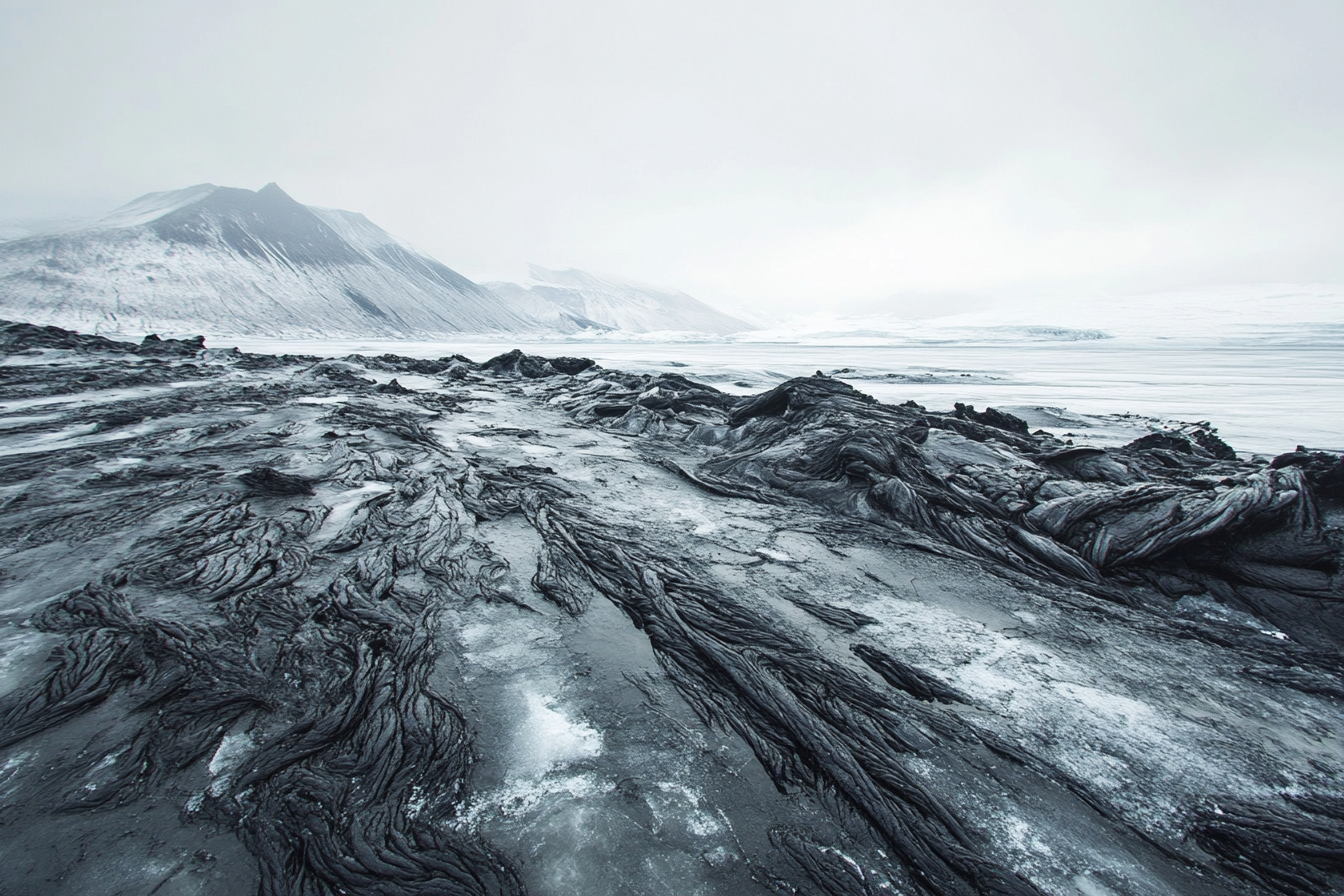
x=18, y=228
x=573, y=300
x=222, y=260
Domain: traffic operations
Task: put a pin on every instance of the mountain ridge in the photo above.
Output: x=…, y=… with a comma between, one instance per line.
x=575, y=300
x=231, y=261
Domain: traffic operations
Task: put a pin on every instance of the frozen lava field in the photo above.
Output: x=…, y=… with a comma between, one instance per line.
x=292, y=625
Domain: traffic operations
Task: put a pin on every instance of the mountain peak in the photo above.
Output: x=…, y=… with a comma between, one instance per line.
x=272, y=189
x=224, y=259
x=266, y=224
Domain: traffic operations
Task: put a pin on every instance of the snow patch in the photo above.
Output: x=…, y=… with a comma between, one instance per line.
x=232, y=749
x=344, y=506
x=521, y=798
x=547, y=739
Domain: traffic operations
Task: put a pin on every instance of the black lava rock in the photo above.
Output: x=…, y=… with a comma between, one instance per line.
x=173, y=348
x=273, y=482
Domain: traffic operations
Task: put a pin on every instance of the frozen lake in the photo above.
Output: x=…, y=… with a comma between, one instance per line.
x=1264, y=396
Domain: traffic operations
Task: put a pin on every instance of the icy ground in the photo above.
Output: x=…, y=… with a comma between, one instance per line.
x=1264, y=395
x=267, y=537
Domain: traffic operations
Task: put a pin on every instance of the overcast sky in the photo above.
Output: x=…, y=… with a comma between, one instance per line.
x=790, y=155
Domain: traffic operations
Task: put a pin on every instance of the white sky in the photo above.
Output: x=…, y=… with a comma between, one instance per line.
x=790, y=156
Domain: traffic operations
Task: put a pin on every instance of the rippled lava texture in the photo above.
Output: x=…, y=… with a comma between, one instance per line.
x=286, y=625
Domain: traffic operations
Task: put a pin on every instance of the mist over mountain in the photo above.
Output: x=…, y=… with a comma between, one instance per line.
x=573, y=300
x=226, y=260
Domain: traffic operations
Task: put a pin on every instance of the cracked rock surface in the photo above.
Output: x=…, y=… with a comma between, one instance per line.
x=292, y=625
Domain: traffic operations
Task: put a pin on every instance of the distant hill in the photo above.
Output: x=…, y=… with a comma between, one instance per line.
x=572, y=300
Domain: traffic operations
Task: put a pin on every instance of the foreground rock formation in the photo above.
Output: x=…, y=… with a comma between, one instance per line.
x=300, y=626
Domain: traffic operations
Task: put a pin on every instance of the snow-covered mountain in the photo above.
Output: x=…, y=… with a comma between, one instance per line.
x=573, y=300
x=227, y=261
